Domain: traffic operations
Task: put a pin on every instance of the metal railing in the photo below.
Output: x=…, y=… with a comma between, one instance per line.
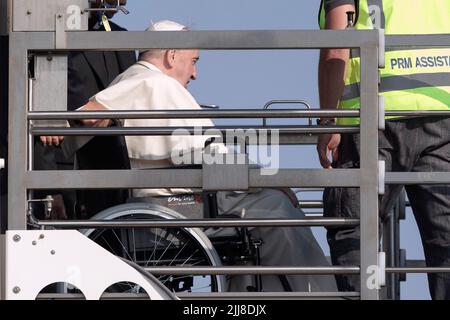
x=368, y=41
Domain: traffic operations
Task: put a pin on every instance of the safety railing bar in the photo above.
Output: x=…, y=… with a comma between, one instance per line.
x=159, y=131
x=191, y=178
x=409, y=178
x=206, y=40
x=101, y=224
x=188, y=114
x=418, y=270
x=289, y=178
x=199, y=114
x=267, y=295
x=253, y=270
x=313, y=214
x=417, y=113
x=220, y=40
x=424, y=40
x=295, y=139
x=227, y=40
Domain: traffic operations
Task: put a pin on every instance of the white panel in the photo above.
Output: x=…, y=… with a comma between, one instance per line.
x=35, y=259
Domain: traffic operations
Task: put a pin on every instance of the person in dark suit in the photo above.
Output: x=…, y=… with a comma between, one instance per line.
x=88, y=73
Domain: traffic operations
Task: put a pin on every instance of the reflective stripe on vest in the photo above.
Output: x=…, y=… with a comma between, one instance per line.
x=413, y=79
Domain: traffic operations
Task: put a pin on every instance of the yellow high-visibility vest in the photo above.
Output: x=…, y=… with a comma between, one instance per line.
x=413, y=78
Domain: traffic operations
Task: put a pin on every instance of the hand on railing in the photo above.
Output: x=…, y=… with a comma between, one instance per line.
x=51, y=140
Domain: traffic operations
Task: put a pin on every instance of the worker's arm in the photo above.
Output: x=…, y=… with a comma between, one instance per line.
x=332, y=66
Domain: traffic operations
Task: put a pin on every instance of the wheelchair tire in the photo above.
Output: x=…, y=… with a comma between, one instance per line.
x=160, y=246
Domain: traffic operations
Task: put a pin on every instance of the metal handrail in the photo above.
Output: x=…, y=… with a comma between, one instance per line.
x=190, y=114
x=152, y=223
x=241, y=113
x=200, y=270
x=273, y=102
x=161, y=131
x=418, y=270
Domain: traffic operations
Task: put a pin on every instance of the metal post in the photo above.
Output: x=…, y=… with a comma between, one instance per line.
x=18, y=138
x=369, y=171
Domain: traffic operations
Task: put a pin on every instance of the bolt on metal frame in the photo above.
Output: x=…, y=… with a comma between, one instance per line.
x=366, y=178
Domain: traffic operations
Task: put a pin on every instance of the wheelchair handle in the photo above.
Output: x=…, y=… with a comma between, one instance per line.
x=273, y=102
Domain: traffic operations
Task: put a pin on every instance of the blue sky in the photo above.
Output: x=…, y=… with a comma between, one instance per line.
x=248, y=79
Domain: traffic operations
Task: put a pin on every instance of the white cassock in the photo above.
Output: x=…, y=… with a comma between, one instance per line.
x=145, y=87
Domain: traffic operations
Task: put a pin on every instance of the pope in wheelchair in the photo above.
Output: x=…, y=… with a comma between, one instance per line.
x=158, y=81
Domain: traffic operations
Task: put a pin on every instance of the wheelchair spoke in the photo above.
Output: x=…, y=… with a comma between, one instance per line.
x=107, y=243
x=179, y=252
x=167, y=248
x=134, y=246
x=155, y=246
x=189, y=257
x=122, y=245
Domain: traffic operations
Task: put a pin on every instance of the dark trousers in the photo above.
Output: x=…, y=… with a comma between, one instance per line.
x=414, y=145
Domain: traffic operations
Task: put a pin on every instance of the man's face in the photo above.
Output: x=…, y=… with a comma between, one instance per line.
x=184, y=66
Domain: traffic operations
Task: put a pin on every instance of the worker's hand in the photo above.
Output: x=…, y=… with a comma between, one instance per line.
x=328, y=144
x=51, y=140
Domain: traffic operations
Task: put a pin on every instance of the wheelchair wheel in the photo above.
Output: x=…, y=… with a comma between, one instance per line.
x=159, y=246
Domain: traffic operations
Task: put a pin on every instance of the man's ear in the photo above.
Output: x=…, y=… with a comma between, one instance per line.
x=170, y=57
